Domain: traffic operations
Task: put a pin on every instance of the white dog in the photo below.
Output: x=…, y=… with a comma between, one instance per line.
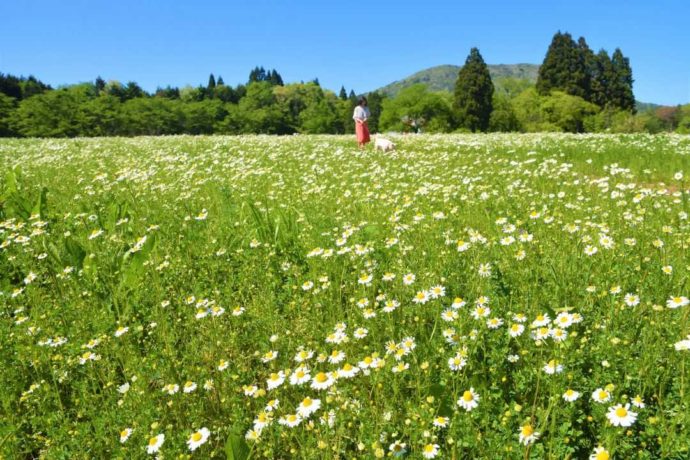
x=384, y=144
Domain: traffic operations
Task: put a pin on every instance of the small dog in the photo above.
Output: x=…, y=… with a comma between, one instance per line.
x=384, y=144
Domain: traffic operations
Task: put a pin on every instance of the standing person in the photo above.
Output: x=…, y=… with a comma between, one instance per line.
x=361, y=116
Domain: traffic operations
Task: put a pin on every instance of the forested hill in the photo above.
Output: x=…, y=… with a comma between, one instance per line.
x=442, y=77
x=506, y=78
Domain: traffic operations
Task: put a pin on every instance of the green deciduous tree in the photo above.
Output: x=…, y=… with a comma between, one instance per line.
x=415, y=104
x=474, y=91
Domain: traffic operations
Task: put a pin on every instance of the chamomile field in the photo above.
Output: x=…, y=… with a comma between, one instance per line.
x=489, y=296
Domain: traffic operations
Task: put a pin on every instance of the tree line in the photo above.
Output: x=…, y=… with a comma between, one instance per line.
x=576, y=91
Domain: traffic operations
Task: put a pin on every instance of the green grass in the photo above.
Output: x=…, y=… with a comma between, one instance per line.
x=149, y=233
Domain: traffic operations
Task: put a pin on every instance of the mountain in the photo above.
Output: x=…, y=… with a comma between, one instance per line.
x=442, y=77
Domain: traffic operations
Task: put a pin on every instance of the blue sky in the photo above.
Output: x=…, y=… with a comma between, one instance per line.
x=361, y=45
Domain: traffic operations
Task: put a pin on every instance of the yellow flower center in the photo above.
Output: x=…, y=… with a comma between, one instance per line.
x=603, y=455
x=621, y=412
x=368, y=360
x=196, y=437
x=569, y=392
x=292, y=417
x=429, y=448
x=153, y=441
x=321, y=377
x=603, y=395
x=527, y=430
x=307, y=402
x=275, y=376
x=123, y=433
x=467, y=396
x=347, y=367
x=300, y=374
x=540, y=318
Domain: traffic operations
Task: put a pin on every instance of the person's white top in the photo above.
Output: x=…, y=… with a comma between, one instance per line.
x=361, y=113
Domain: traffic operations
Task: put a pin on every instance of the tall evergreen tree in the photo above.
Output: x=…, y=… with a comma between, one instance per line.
x=275, y=79
x=587, y=65
x=100, y=84
x=343, y=93
x=563, y=68
x=474, y=93
x=211, y=83
x=601, y=78
x=220, y=81
x=622, y=96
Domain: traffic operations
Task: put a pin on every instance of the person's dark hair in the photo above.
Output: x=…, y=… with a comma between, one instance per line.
x=363, y=100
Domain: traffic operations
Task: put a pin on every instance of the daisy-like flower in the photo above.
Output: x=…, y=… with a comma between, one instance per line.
x=188, y=387
x=408, y=344
x=304, y=355
x=449, y=315
x=631, y=300
x=469, y=400
x=388, y=276
x=480, y=312
x=683, y=345
x=667, y=270
x=307, y=285
x=457, y=362
x=564, y=320
x=591, y=250
x=441, y=422
x=458, y=303
x=322, y=380
x=222, y=365
x=527, y=434
x=484, y=270
x=155, y=443
x=252, y=435
x=600, y=453
x=421, y=297
x=571, y=395
x=95, y=233
x=308, y=406
x=558, y=334
x=269, y=356
x=390, y=305
x=124, y=388
x=360, y=333
x=516, y=330
x=262, y=420
x=677, y=301
x=430, y=451
x=125, y=434
x=408, y=279
x=336, y=356
x=400, y=367
x=275, y=380
x=198, y=438
x=121, y=331
x=237, y=311
x=272, y=405
x=553, y=367
x=462, y=245
x=348, y=371
x=171, y=388
x=494, y=323
x=290, y=420
x=638, y=402
x=365, y=279
x=300, y=376
x=398, y=449
x=601, y=396
x=437, y=291
x=541, y=320
x=620, y=415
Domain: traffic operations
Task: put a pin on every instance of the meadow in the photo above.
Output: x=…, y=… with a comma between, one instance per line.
x=467, y=296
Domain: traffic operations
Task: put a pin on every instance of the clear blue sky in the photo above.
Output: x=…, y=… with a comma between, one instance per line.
x=361, y=45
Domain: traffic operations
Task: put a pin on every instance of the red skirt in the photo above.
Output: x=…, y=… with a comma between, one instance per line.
x=362, y=131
